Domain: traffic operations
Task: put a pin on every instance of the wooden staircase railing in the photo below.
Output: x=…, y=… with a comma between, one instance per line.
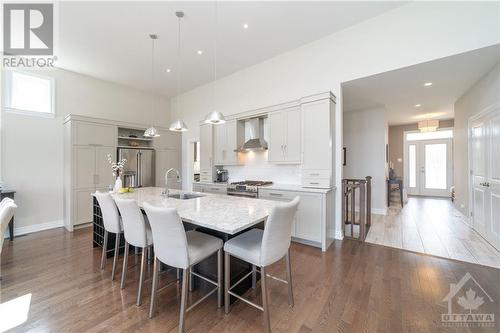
x=356, y=207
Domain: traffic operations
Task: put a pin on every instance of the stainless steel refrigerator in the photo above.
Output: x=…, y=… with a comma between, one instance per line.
x=140, y=168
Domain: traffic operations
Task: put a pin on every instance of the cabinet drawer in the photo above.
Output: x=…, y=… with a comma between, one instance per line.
x=316, y=173
x=276, y=195
x=316, y=182
x=205, y=178
x=215, y=189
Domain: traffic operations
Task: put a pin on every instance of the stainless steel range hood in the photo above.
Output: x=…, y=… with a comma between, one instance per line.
x=254, y=135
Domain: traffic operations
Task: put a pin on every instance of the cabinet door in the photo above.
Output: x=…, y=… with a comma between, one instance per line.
x=206, y=150
x=293, y=136
x=233, y=139
x=220, y=143
x=103, y=171
x=276, y=137
x=166, y=159
x=84, y=164
x=308, y=220
x=168, y=140
x=316, y=137
x=94, y=134
x=83, y=206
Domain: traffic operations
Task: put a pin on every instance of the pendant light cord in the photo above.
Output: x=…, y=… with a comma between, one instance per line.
x=152, y=77
x=178, y=64
x=215, y=55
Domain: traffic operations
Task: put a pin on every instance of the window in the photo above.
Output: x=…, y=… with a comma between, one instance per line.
x=28, y=93
x=416, y=136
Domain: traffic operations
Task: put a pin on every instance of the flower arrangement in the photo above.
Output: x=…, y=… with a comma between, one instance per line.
x=116, y=167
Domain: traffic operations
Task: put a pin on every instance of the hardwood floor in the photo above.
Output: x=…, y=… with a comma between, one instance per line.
x=353, y=287
x=432, y=226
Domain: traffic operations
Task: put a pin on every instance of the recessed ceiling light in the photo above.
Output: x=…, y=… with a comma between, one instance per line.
x=245, y=26
x=200, y=52
x=427, y=84
x=418, y=105
x=168, y=70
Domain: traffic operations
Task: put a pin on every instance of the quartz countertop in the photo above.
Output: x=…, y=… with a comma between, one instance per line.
x=228, y=214
x=296, y=188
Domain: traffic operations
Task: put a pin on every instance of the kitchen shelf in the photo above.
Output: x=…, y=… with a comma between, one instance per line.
x=139, y=139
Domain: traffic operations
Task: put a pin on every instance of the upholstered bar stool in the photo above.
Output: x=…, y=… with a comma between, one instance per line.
x=175, y=247
x=112, y=223
x=137, y=232
x=262, y=248
x=7, y=210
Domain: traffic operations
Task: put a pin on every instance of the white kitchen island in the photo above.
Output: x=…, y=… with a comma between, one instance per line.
x=222, y=213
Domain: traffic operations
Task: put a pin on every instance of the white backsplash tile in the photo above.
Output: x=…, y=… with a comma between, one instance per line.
x=256, y=167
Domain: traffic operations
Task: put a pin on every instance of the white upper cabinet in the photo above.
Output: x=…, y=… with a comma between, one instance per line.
x=228, y=137
x=94, y=134
x=206, y=152
x=285, y=136
x=168, y=140
x=317, y=143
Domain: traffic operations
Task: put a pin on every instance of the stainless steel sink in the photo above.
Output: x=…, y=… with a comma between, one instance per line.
x=185, y=196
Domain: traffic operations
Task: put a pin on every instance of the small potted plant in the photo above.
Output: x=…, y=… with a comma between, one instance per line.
x=117, y=170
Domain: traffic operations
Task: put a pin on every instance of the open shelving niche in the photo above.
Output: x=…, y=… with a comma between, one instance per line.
x=128, y=136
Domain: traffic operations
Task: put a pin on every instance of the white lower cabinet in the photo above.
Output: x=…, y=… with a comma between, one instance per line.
x=210, y=188
x=83, y=206
x=310, y=220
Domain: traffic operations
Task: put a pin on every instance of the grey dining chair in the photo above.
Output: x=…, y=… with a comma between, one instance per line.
x=137, y=233
x=112, y=223
x=262, y=248
x=177, y=248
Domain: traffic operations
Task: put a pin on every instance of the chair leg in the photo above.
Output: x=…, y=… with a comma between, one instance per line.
x=156, y=268
x=289, y=278
x=254, y=277
x=191, y=279
x=117, y=248
x=141, y=275
x=227, y=280
x=104, y=248
x=219, y=278
x=182, y=314
x=265, y=305
x=125, y=263
x=178, y=275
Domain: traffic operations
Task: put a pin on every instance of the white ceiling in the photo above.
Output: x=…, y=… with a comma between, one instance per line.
x=109, y=40
x=400, y=90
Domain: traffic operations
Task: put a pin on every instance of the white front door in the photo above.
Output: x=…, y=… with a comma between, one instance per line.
x=428, y=166
x=485, y=176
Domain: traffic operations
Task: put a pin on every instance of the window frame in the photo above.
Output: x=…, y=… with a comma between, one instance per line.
x=7, y=93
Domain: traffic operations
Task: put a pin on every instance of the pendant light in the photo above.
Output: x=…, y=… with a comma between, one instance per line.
x=178, y=125
x=430, y=125
x=215, y=117
x=152, y=132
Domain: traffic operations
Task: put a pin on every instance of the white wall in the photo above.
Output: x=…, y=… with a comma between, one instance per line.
x=411, y=34
x=365, y=137
x=32, y=147
x=485, y=93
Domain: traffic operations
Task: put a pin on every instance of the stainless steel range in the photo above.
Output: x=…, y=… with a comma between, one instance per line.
x=247, y=188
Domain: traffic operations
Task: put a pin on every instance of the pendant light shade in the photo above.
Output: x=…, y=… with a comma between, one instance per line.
x=152, y=132
x=215, y=118
x=178, y=126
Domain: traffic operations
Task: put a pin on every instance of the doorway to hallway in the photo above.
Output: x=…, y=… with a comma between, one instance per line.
x=428, y=162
